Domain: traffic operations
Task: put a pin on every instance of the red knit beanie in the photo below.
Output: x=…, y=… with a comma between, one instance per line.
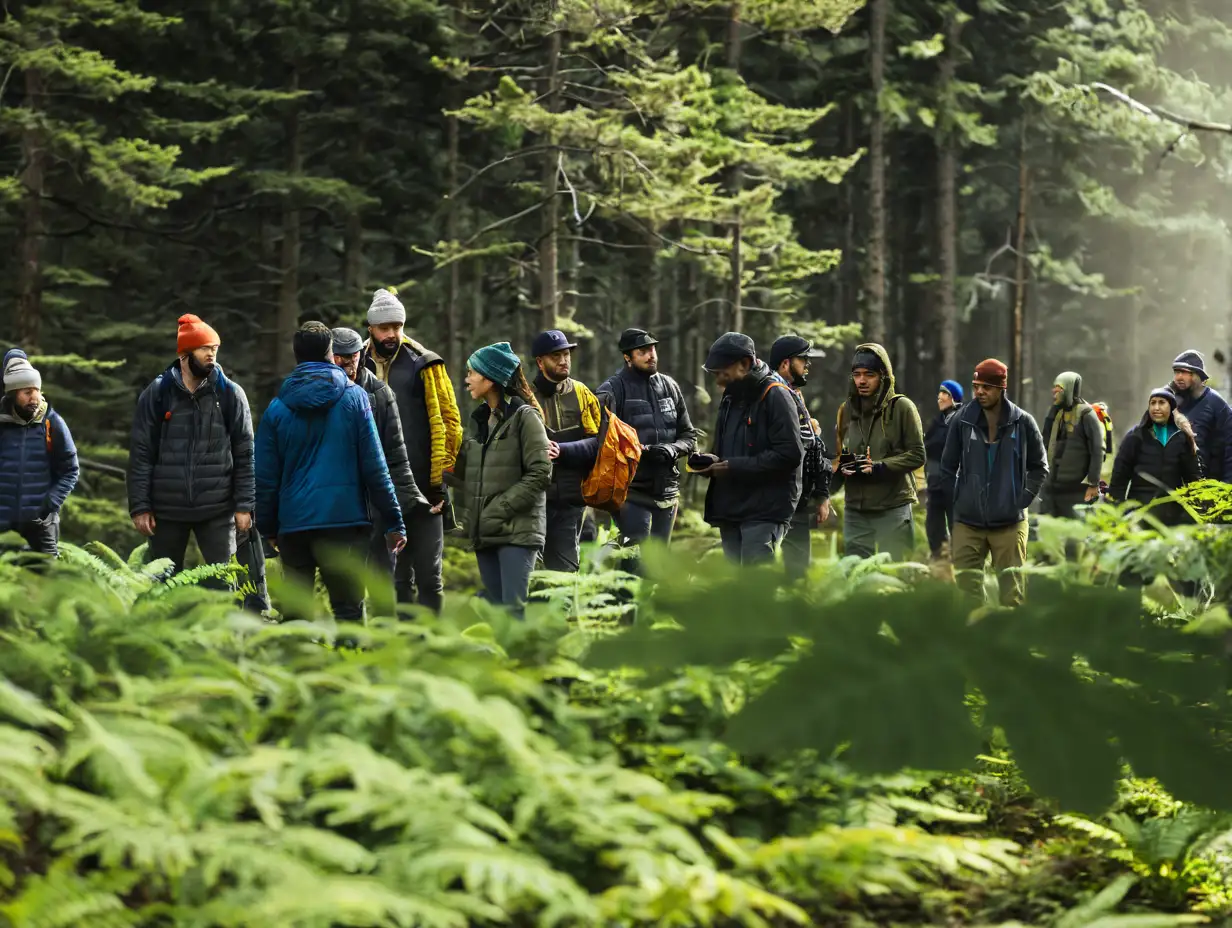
x=992, y=373
x=194, y=334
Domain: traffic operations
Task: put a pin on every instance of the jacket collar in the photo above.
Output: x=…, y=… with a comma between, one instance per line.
x=972, y=412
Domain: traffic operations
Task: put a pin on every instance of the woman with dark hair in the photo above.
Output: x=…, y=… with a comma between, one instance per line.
x=1158, y=455
x=504, y=469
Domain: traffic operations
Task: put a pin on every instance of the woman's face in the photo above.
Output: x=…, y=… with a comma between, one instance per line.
x=945, y=401
x=478, y=385
x=1160, y=410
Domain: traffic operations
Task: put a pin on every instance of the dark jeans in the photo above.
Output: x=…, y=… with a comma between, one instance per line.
x=561, y=544
x=938, y=522
x=417, y=575
x=751, y=542
x=798, y=543
x=43, y=537
x=380, y=560
x=1059, y=502
x=303, y=553
x=215, y=537
x=505, y=571
x=637, y=523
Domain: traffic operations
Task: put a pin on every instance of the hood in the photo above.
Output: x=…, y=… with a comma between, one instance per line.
x=313, y=387
x=8, y=417
x=887, y=379
x=1071, y=383
x=973, y=411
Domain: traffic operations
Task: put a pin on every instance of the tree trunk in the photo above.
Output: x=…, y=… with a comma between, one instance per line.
x=1020, y=272
x=947, y=204
x=875, y=273
x=453, y=334
x=550, y=216
x=736, y=294
x=849, y=269
x=30, y=247
x=288, y=290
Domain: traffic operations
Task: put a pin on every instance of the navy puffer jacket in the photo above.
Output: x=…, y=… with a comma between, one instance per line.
x=38, y=465
x=1211, y=418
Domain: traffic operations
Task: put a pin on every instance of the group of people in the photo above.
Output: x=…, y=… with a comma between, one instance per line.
x=352, y=459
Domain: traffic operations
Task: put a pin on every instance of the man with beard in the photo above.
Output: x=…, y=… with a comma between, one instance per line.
x=1207, y=412
x=653, y=404
x=571, y=413
x=432, y=430
x=38, y=460
x=754, y=470
x=790, y=356
x=190, y=456
x=347, y=348
x=881, y=444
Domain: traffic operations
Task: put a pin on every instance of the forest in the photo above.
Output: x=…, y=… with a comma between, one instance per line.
x=1043, y=182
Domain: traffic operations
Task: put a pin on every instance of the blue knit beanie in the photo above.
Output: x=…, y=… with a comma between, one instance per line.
x=952, y=388
x=496, y=362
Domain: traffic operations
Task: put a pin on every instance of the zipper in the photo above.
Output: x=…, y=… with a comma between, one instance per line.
x=191, y=465
x=21, y=473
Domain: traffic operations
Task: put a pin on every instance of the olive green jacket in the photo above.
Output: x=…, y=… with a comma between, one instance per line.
x=505, y=473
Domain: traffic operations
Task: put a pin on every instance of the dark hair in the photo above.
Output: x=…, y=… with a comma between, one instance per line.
x=313, y=342
x=519, y=386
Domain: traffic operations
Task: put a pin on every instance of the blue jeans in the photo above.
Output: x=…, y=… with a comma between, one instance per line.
x=505, y=572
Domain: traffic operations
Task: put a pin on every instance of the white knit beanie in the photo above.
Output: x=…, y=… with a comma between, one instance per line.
x=19, y=373
x=386, y=308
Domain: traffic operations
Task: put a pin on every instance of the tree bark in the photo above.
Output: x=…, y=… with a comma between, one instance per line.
x=549, y=297
x=1020, y=271
x=947, y=203
x=875, y=272
x=736, y=293
x=288, y=289
x=30, y=247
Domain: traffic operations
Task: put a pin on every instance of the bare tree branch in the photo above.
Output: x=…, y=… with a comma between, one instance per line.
x=1155, y=112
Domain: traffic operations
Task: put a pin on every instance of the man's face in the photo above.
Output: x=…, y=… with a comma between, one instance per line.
x=555, y=366
x=645, y=360
x=201, y=360
x=26, y=401
x=726, y=376
x=1058, y=393
x=1185, y=381
x=388, y=334
x=945, y=402
x=867, y=382
x=349, y=363
x=988, y=397
x=799, y=370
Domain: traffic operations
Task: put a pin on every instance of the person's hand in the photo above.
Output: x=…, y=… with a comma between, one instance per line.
x=144, y=523
x=273, y=543
x=1091, y=494
x=719, y=469
x=243, y=521
x=553, y=451
x=395, y=542
x=436, y=509
x=823, y=511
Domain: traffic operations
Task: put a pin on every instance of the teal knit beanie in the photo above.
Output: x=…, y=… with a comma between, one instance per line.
x=496, y=362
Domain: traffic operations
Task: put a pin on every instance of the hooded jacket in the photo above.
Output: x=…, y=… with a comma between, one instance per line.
x=1211, y=418
x=758, y=435
x=991, y=485
x=38, y=465
x=505, y=472
x=319, y=461
x=1146, y=469
x=193, y=465
x=888, y=426
x=1076, y=457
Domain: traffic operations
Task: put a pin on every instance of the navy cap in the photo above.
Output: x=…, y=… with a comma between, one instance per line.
x=727, y=349
x=548, y=342
x=635, y=338
x=792, y=346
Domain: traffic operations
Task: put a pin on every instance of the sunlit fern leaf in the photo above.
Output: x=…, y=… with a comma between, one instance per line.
x=62, y=898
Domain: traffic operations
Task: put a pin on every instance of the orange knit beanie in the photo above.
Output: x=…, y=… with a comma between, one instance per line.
x=193, y=334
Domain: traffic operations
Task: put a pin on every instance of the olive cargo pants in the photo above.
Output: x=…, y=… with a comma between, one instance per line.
x=970, y=547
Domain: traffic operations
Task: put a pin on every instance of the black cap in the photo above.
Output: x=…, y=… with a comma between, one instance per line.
x=729, y=348
x=548, y=342
x=635, y=338
x=347, y=341
x=792, y=346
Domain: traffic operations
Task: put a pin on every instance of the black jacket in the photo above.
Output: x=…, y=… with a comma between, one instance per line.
x=1211, y=418
x=758, y=434
x=655, y=407
x=389, y=430
x=190, y=465
x=1142, y=460
x=992, y=485
x=934, y=446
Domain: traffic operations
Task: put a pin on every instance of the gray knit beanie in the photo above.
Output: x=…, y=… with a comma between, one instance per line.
x=19, y=373
x=386, y=308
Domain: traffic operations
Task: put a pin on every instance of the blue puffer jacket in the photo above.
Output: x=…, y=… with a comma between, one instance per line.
x=35, y=480
x=992, y=485
x=318, y=457
x=1211, y=418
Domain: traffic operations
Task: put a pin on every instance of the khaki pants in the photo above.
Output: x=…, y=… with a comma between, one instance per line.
x=970, y=547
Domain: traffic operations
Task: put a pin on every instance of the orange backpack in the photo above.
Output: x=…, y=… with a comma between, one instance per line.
x=607, y=484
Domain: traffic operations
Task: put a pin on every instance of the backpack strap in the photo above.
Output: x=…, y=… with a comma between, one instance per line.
x=47, y=433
